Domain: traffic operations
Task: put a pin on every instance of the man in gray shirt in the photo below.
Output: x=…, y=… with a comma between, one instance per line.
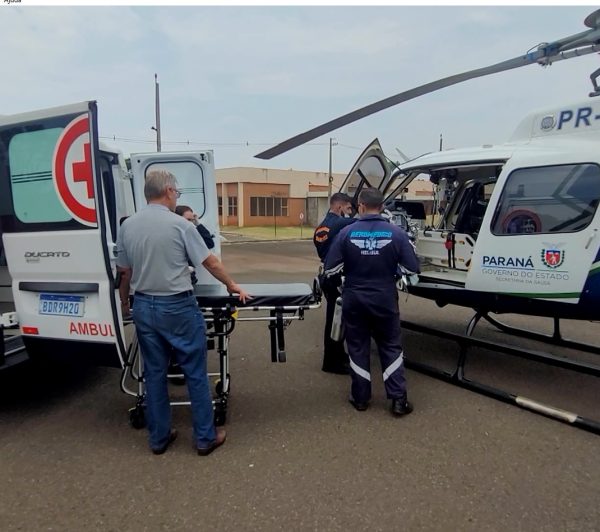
x=153, y=250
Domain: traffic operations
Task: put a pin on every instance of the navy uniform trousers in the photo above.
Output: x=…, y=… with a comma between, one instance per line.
x=366, y=316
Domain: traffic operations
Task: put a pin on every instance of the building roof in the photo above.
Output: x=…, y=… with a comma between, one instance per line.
x=302, y=183
x=299, y=180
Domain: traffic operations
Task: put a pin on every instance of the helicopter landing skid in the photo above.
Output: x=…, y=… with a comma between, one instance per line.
x=457, y=376
x=555, y=338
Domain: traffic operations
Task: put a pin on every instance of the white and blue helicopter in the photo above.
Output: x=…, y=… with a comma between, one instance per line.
x=517, y=224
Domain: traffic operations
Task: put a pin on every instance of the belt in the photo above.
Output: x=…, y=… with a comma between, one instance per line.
x=187, y=293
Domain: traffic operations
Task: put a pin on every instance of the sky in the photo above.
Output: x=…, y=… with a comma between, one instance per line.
x=240, y=79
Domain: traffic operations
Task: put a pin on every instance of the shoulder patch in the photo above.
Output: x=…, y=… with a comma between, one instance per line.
x=322, y=233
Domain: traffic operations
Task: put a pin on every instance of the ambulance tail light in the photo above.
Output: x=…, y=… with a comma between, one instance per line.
x=29, y=330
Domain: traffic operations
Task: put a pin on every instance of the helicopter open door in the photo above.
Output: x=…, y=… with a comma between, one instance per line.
x=196, y=178
x=56, y=201
x=370, y=170
x=447, y=250
x=541, y=240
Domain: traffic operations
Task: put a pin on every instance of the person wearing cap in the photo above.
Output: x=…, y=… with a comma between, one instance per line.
x=335, y=358
x=369, y=252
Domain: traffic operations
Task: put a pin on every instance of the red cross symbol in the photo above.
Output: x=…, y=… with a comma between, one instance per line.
x=82, y=170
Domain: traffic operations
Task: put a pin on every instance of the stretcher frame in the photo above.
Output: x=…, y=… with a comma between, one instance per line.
x=221, y=322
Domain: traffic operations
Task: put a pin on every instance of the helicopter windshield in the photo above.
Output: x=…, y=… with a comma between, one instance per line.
x=550, y=199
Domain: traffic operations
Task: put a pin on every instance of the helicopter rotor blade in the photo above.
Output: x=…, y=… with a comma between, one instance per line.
x=402, y=154
x=373, y=108
x=545, y=54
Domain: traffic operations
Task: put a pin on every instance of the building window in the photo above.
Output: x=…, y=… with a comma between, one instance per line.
x=548, y=199
x=232, y=205
x=268, y=206
x=220, y=200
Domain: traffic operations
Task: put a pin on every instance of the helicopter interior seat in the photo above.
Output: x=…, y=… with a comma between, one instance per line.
x=476, y=214
x=471, y=217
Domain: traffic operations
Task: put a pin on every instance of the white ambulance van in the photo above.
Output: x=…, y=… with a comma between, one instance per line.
x=62, y=198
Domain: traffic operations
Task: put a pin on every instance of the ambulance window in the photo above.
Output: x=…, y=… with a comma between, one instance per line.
x=30, y=158
x=548, y=199
x=190, y=181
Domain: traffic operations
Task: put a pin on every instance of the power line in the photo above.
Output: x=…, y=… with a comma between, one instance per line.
x=198, y=143
x=348, y=146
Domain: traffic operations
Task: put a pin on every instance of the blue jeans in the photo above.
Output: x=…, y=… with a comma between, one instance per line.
x=173, y=325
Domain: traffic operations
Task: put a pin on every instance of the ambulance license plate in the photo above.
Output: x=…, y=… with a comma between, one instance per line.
x=62, y=305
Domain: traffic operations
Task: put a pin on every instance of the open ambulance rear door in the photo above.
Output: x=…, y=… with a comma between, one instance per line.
x=196, y=179
x=56, y=193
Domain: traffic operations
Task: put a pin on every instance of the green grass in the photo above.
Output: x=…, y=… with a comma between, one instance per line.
x=269, y=232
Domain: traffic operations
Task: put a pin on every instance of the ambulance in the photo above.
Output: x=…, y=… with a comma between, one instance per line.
x=63, y=196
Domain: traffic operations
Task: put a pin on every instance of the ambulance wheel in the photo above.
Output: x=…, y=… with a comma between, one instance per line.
x=220, y=417
x=137, y=417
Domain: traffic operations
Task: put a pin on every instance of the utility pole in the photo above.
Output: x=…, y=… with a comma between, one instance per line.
x=274, y=216
x=441, y=142
x=157, y=112
x=332, y=142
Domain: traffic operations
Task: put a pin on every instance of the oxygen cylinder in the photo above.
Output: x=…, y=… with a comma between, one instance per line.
x=337, y=326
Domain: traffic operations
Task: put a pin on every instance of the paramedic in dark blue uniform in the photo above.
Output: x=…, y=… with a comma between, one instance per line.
x=335, y=359
x=369, y=252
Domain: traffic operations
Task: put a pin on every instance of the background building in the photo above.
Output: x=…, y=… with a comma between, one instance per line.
x=265, y=196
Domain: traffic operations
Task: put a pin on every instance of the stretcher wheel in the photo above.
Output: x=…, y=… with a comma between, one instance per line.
x=281, y=357
x=137, y=417
x=220, y=417
x=219, y=385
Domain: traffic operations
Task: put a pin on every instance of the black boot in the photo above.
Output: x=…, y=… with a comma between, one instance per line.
x=361, y=407
x=401, y=407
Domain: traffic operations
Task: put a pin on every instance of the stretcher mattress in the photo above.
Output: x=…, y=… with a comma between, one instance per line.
x=263, y=295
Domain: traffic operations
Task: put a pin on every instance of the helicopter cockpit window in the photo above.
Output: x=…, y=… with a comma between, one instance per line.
x=549, y=199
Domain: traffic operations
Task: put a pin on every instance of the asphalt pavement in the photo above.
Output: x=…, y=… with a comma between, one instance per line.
x=298, y=456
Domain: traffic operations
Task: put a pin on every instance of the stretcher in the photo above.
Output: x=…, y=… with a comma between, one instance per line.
x=12, y=349
x=276, y=304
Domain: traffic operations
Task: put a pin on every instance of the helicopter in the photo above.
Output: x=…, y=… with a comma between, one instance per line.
x=515, y=227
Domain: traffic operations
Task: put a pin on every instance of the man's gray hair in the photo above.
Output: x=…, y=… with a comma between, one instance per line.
x=157, y=182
